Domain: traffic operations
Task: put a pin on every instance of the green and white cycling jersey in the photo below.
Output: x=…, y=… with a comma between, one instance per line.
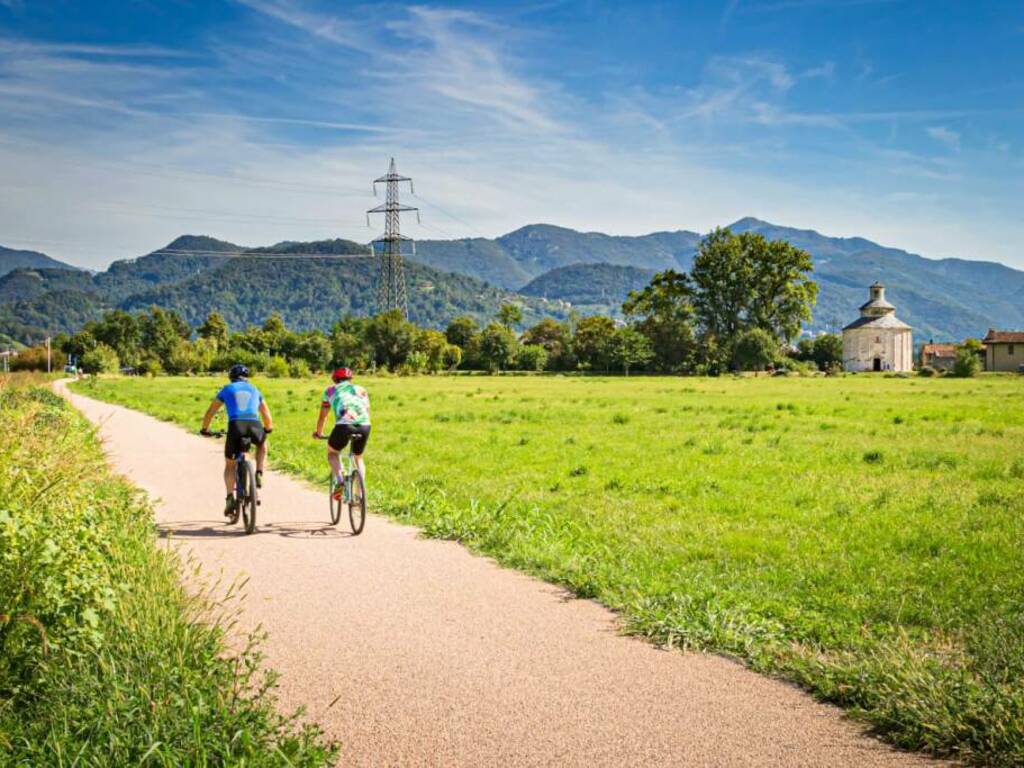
x=350, y=403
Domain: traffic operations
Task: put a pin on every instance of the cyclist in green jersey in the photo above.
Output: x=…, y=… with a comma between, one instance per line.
x=351, y=408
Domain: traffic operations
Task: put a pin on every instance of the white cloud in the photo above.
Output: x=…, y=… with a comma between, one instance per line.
x=484, y=137
x=944, y=135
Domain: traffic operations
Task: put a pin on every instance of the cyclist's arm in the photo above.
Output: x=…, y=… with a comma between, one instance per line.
x=215, y=405
x=268, y=421
x=324, y=408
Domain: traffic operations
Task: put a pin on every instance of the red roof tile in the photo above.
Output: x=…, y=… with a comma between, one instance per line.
x=1003, y=337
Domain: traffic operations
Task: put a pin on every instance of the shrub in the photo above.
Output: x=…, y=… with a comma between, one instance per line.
x=299, y=369
x=100, y=359
x=105, y=659
x=966, y=364
x=532, y=357
x=277, y=368
x=927, y=371
x=755, y=350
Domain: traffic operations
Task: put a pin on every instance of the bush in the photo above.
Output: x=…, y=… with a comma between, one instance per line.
x=966, y=364
x=100, y=359
x=299, y=369
x=927, y=371
x=532, y=357
x=755, y=350
x=104, y=657
x=277, y=368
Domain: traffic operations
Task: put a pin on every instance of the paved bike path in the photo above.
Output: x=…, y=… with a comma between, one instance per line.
x=416, y=652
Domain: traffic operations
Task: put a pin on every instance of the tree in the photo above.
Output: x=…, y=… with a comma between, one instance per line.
x=968, y=363
x=161, y=330
x=122, y=332
x=629, y=348
x=100, y=359
x=391, y=337
x=433, y=345
x=755, y=349
x=461, y=330
x=276, y=336
x=498, y=347
x=828, y=351
x=555, y=338
x=744, y=281
x=592, y=342
x=510, y=315
x=664, y=311
x=312, y=347
x=532, y=357
x=452, y=356
x=214, y=328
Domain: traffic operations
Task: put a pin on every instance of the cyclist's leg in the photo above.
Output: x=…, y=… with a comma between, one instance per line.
x=261, y=453
x=336, y=442
x=229, y=476
x=360, y=436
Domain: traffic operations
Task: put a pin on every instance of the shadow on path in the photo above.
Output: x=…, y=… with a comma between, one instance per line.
x=205, y=529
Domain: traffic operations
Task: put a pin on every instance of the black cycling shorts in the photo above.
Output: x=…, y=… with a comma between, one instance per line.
x=342, y=433
x=240, y=432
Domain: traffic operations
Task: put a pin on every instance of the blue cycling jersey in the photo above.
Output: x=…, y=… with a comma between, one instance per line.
x=242, y=401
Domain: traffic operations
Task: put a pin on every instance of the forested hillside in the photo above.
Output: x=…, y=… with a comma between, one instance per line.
x=310, y=284
x=11, y=258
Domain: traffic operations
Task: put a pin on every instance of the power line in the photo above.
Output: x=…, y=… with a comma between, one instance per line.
x=450, y=215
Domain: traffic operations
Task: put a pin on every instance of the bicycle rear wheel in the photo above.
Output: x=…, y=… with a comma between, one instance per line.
x=336, y=504
x=357, y=503
x=249, y=501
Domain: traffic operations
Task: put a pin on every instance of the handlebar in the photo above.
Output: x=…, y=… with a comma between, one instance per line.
x=211, y=434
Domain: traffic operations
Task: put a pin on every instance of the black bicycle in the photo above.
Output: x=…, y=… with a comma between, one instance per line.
x=246, y=493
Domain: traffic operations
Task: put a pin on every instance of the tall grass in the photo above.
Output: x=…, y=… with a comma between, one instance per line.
x=104, y=658
x=859, y=535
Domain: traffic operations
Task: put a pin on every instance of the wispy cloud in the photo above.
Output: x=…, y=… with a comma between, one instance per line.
x=13, y=45
x=944, y=135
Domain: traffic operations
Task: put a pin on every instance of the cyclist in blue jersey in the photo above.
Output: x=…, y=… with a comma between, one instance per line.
x=248, y=418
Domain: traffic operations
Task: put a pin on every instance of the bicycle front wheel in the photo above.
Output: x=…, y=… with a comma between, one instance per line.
x=357, y=503
x=250, y=501
x=336, y=503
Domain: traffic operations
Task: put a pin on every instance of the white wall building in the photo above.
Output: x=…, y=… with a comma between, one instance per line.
x=878, y=340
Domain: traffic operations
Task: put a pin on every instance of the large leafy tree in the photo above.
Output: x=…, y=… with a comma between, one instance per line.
x=592, y=342
x=498, y=347
x=555, y=338
x=391, y=337
x=663, y=312
x=630, y=348
x=214, y=328
x=510, y=315
x=744, y=281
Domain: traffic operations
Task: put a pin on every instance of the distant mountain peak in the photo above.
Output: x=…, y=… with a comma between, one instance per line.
x=201, y=243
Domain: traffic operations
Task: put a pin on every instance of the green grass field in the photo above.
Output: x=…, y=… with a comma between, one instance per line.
x=863, y=536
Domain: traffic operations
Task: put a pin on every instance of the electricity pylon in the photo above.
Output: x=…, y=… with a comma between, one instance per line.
x=391, y=292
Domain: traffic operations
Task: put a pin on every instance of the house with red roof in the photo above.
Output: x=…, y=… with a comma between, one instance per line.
x=1004, y=350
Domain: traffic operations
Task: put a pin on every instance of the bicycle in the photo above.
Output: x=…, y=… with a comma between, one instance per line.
x=353, y=493
x=246, y=493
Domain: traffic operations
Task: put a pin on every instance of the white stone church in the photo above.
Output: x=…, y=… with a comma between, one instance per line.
x=878, y=340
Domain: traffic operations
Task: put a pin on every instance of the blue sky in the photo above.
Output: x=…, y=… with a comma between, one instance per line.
x=124, y=124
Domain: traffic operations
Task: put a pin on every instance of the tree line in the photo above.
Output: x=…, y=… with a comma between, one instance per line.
x=739, y=307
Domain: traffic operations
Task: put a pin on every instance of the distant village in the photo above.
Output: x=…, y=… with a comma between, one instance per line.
x=880, y=341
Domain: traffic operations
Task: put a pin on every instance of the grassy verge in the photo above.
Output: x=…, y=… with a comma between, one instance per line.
x=104, y=659
x=863, y=536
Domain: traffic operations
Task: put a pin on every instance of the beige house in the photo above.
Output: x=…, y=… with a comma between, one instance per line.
x=878, y=340
x=1004, y=350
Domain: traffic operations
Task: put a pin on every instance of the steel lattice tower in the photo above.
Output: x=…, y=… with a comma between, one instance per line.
x=391, y=292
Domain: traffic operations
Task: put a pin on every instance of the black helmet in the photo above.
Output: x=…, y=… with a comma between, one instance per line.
x=238, y=371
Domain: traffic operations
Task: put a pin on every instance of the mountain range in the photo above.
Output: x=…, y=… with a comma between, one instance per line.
x=543, y=267
x=11, y=259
